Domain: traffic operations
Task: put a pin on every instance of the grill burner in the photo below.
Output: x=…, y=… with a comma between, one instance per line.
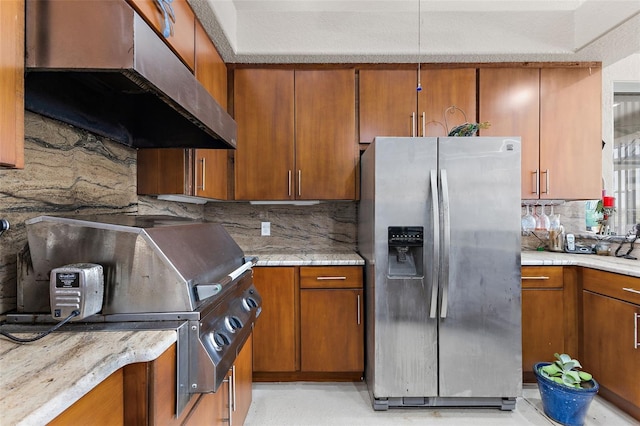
x=157, y=270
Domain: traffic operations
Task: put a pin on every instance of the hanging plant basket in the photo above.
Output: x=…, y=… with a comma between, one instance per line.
x=564, y=404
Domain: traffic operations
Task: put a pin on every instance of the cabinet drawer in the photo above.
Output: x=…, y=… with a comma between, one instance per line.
x=542, y=277
x=331, y=277
x=621, y=287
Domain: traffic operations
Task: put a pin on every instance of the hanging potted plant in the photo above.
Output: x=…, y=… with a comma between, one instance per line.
x=566, y=391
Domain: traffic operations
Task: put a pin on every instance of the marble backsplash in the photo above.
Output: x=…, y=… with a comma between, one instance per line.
x=72, y=172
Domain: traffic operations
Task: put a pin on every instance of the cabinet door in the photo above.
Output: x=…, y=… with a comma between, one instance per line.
x=332, y=330
x=387, y=103
x=182, y=39
x=103, y=405
x=325, y=145
x=543, y=332
x=610, y=345
x=510, y=101
x=12, y=83
x=242, y=382
x=264, y=111
x=210, y=165
x=441, y=89
x=161, y=171
x=275, y=341
x=570, y=133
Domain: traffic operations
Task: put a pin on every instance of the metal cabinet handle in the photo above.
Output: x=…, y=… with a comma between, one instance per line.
x=299, y=183
x=536, y=278
x=546, y=173
x=289, y=184
x=424, y=124
x=229, y=400
x=358, y=309
x=204, y=171
x=636, y=344
x=413, y=124
x=233, y=386
x=330, y=278
x=632, y=290
x=536, y=182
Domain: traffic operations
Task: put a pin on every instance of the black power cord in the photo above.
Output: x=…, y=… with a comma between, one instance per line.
x=41, y=335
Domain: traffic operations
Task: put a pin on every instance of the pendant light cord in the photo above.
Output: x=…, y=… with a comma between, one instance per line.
x=419, y=87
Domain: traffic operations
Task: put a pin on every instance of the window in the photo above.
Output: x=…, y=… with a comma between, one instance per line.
x=626, y=160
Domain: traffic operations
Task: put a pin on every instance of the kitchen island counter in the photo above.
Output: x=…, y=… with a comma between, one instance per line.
x=40, y=380
x=613, y=264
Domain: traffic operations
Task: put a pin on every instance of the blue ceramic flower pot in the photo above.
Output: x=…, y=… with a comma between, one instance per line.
x=563, y=404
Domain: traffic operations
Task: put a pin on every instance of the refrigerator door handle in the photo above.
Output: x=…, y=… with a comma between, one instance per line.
x=446, y=244
x=435, y=212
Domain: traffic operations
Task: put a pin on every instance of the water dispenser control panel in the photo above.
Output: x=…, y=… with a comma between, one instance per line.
x=412, y=236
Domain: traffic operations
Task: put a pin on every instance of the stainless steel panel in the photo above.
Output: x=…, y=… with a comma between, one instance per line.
x=401, y=345
x=99, y=66
x=480, y=338
x=151, y=264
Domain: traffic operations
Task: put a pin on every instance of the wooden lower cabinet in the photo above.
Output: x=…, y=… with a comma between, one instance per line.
x=610, y=340
x=331, y=330
x=144, y=394
x=104, y=405
x=312, y=324
x=275, y=335
x=549, y=315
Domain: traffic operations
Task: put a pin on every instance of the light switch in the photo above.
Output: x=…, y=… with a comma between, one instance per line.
x=265, y=229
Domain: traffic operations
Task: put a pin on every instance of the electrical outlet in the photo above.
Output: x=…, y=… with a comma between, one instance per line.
x=265, y=229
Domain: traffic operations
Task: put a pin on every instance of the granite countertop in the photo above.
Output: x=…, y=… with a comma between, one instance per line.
x=307, y=259
x=605, y=263
x=39, y=380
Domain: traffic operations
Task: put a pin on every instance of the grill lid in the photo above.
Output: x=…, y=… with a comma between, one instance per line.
x=151, y=263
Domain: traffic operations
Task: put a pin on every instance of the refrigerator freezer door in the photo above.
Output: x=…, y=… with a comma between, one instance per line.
x=402, y=345
x=479, y=332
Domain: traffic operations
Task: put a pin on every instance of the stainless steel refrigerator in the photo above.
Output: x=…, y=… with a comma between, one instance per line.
x=439, y=229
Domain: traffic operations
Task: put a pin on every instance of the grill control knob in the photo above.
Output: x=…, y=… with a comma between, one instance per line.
x=218, y=340
x=232, y=324
x=249, y=303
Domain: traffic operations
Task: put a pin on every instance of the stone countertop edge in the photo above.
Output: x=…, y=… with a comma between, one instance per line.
x=41, y=379
x=308, y=259
x=604, y=263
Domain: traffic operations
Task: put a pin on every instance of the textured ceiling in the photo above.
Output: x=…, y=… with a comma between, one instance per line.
x=402, y=31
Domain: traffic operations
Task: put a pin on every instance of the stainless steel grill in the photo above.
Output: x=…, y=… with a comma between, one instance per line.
x=157, y=270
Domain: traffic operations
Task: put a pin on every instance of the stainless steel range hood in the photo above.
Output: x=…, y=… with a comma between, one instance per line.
x=100, y=67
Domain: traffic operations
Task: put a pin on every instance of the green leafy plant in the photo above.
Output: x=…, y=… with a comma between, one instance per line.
x=564, y=371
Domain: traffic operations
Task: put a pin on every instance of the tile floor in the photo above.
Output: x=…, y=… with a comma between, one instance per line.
x=338, y=404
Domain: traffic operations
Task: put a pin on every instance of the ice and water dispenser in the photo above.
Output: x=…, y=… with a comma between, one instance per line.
x=406, y=246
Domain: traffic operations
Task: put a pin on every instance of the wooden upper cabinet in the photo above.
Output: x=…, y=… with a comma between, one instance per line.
x=570, y=133
x=387, y=103
x=210, y=69
x=325, y=141
x=390, y=104
x=296, y=134
x=12, y=83
x=182, y=39
x=210, y=165
x=264, y=111
x=441, y=90
x=510, y=101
